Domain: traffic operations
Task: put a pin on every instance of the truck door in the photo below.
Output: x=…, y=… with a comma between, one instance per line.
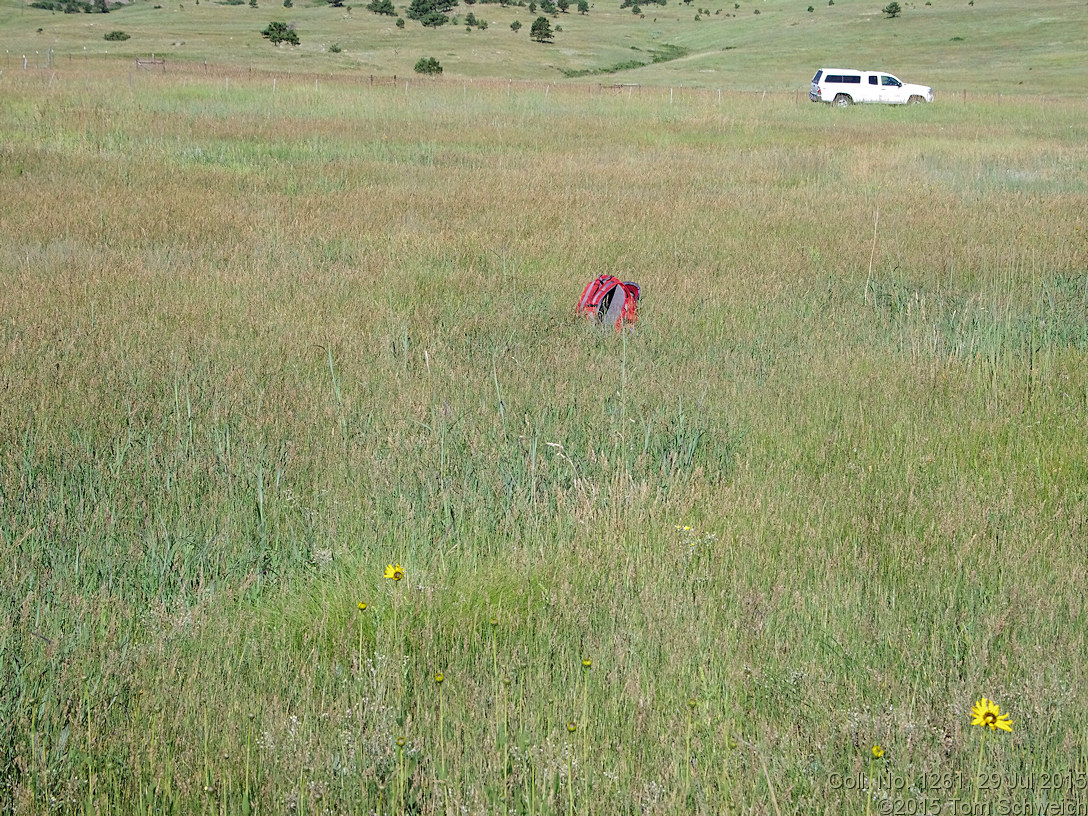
x=891, y=90
x=872, y=92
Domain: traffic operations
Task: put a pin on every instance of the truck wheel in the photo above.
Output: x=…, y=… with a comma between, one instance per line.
x=915, y=100
x=843, y=101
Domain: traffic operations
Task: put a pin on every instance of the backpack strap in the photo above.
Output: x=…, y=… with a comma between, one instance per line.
x=594, y=293
x=631, y=292
x=610, y=301
x=610, y=312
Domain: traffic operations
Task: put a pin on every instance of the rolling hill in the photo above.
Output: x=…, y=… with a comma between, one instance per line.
x=988, y=47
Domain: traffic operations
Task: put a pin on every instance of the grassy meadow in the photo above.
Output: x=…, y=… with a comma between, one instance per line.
x=990, y=47
x=260, y=340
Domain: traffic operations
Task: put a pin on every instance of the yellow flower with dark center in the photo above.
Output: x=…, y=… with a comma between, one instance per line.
x=878, y=752
x=572, y=726
x=362, y=606
x=438, y=678
x=394, y=572
x=988, y=713
x=587, y=663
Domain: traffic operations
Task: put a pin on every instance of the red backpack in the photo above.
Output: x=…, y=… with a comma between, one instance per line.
x=610, y=302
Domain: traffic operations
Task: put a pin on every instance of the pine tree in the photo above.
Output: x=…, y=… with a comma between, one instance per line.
x=541, y=30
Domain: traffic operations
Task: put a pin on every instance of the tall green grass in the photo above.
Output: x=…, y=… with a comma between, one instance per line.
x=259, y=344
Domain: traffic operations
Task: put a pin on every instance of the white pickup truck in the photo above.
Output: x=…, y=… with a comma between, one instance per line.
x=843, y=87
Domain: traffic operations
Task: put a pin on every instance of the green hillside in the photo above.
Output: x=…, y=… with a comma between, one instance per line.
x=990, y=46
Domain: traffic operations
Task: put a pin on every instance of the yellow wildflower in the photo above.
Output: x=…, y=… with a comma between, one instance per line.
x=986, y=712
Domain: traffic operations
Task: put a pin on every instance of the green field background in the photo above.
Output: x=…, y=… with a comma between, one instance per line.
x=264, y=333
x=990, y=47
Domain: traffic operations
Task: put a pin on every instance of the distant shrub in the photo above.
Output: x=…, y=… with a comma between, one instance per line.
x=541, y=30
x=893, y=10
x=428, y=66
x=116, y=36
x=431, y=13
x=382, y=7
x=277, y=32
x=811, y=9
x=66, y=6
x=516, y=25
x=335, y=48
